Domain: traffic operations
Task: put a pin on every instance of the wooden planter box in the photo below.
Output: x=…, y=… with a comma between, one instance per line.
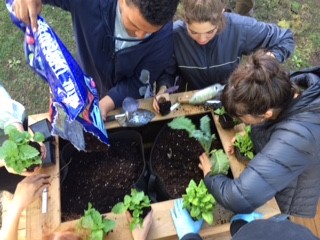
x=40, y=224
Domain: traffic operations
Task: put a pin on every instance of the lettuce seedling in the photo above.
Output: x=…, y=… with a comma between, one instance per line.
x=16, y=150
x=136, y=204
x=220, y=162
x=95, y=223
x=199, y=202
x=244, y=143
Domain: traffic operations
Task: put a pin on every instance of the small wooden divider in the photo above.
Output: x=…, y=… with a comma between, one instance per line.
x=39, y=225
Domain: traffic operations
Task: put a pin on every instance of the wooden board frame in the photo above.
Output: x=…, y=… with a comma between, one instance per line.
x=39, y=225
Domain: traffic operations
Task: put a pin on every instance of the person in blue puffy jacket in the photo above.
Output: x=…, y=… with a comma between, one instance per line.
x=284, y=113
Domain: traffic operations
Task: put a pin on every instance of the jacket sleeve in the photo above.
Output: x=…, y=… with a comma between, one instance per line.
x=279, y=163
x=169, y=74
x=147, y=71
x=10, y=110
x=269, y=36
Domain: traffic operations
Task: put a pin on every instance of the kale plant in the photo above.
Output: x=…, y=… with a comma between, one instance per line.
x=220, y=162
x=135, y=203
x=16, y=151
x=95, y=223
x=199, y=202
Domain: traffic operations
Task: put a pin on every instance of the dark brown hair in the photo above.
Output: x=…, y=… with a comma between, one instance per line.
x=256, y=86
x=203, y=11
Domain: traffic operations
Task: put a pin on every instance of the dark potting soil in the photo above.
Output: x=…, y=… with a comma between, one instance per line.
x=175, y=159
x=102, y=178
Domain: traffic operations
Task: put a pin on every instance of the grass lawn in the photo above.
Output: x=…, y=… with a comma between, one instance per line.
x=29, y=89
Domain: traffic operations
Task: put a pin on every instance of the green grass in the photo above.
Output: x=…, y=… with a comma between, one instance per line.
x=29, y=89
x=19, y=80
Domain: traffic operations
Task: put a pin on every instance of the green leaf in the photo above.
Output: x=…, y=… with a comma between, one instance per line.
x=38, y=137
x=220, y=163
x=182, y=123
x=118, y=208
x=96, y=235
x=28, y=152
x=208, y=217
x=108, y=225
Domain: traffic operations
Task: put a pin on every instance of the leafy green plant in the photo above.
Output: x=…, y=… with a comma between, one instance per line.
x=205, y=138
x=220, y=111
x=95, y=223
x=135, y=203
x=244, y=143
x=16, y=151
x=199, y=202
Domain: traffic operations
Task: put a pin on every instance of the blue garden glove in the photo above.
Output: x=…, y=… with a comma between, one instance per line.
x=183, y=221
x=247, y=217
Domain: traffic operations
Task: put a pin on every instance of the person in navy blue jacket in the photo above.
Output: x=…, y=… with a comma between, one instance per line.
x=209, y=44
x=124, y=45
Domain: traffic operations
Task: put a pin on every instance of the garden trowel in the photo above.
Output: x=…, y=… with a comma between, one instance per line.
x=135, y=118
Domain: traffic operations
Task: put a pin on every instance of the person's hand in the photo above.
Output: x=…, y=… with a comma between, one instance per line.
x=28, y=11
x=183, y=221
x=141, y=233
x=106, y=104
x=247, y=217
x=230, y=148
x=160, y=93
x=29, y=189
x=205, y=164
x=43, y=151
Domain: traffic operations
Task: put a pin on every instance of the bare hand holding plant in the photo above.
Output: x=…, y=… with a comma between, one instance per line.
x=205, y=164
x=141, y=233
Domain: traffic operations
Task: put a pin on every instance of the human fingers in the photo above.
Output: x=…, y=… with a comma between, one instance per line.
x=230, y=149
x=33, y=15
x=43, y=151
x=147, y=221
x=129, y=217
x=155, y=105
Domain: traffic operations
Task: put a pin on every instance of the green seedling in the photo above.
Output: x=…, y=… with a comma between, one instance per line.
x=135, y=203
x=244, y=143
x=16, y=151
x=95, y=223
x=199, y=202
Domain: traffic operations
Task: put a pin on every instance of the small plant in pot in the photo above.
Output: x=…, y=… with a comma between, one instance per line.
x=244, y=146
x=164, y=100
x=203, y=135
x=225, y=120
x=199, y=202
x=94, y=225
x=138, y=204
x=21, y=151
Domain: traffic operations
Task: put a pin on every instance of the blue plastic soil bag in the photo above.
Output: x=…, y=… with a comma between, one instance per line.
x=75, y=101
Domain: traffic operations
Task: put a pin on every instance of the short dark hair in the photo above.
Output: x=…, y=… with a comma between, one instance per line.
x=156, y=12
x=256, y=86
x=201, y=11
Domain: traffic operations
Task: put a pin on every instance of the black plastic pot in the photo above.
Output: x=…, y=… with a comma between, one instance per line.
x=141, y=184
x=182, y=147
x=226, y=121
x=240, y=157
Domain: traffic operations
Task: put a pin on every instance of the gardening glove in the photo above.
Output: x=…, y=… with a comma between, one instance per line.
x=247, y=217
x=183, y=221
